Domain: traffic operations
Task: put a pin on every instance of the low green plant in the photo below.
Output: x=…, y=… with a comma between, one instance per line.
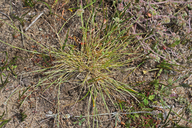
x=80, y=120
x=165, y=91
x=22, y=115
x=29, y=3
x=142, y=119
x=3, y=121
x=134, y=118
x=7, y=66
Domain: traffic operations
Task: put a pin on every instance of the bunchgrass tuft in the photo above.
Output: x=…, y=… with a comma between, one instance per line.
x=92, y=62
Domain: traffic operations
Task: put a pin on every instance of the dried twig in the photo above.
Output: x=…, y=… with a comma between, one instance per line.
x=22, y=37
x=34, y=20
x=6, y=15
x=47, y=100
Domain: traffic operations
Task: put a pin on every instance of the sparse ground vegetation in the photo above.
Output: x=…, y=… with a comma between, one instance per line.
x=96, y=63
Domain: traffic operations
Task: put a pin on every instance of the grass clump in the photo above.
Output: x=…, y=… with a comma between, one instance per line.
x=92, y=63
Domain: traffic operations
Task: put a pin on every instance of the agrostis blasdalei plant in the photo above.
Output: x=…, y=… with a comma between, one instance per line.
x=103, y=49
